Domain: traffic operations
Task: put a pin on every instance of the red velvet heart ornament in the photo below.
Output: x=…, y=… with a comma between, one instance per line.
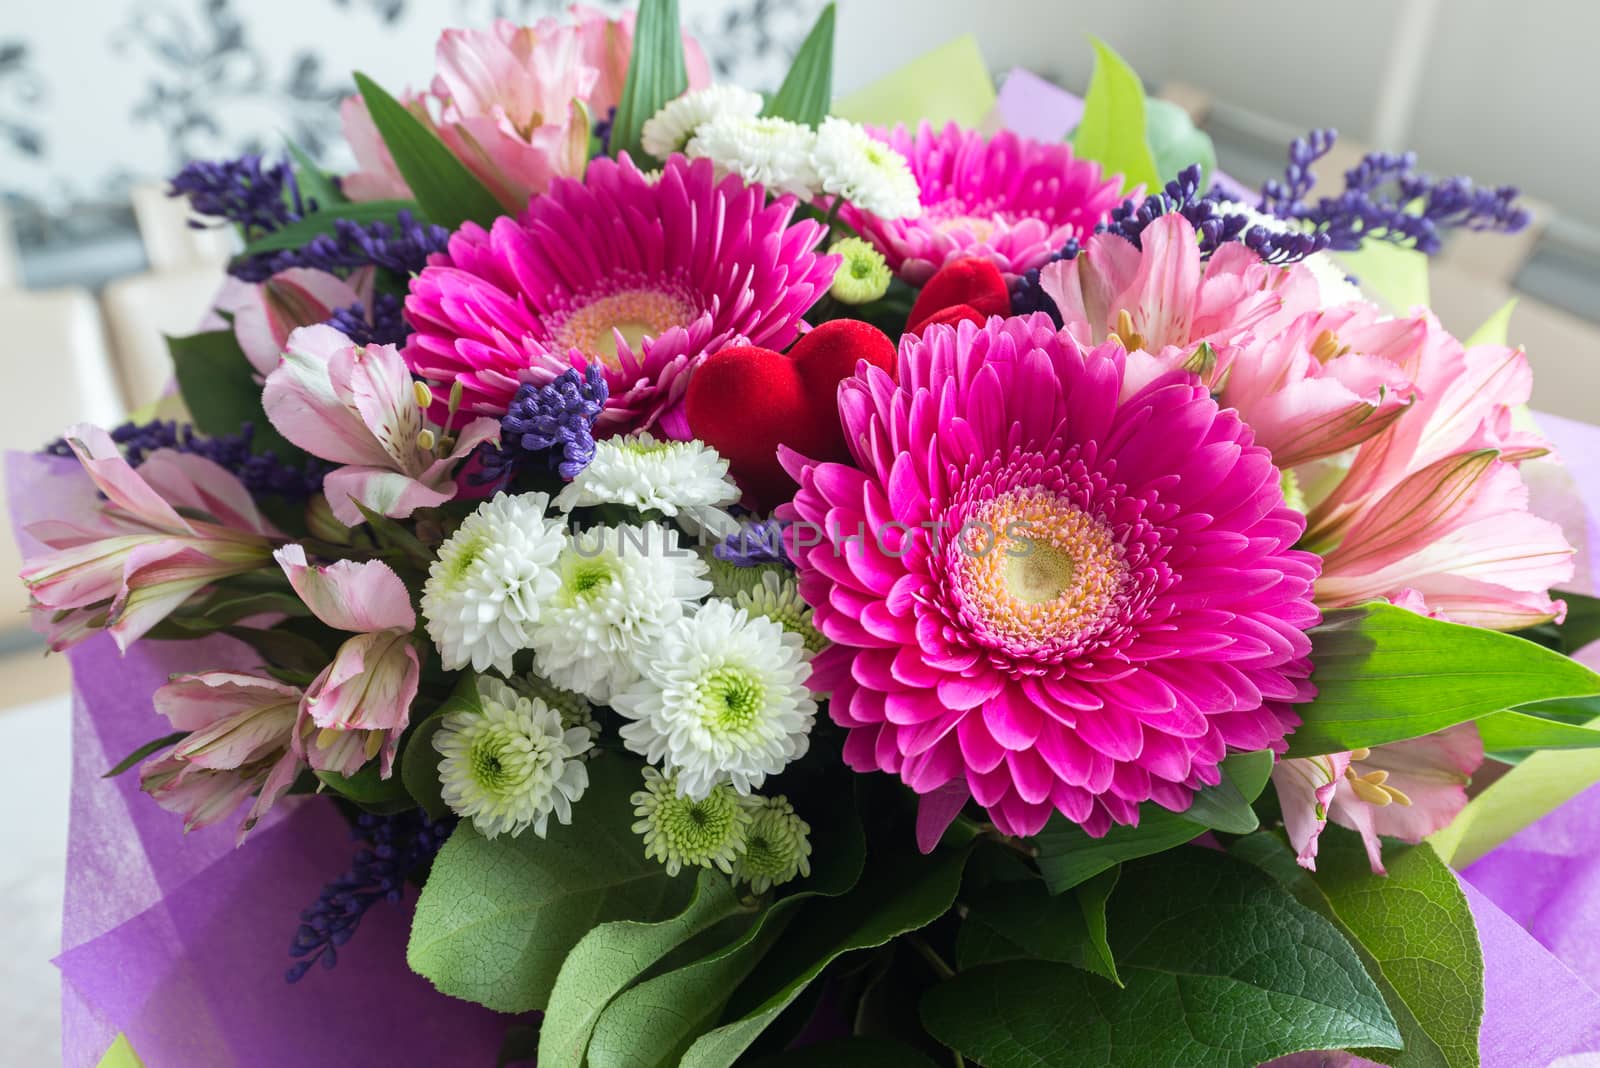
x=746, y=401
x=971, y=288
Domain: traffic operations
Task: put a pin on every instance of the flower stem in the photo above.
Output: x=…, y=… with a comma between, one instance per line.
x=929, y=954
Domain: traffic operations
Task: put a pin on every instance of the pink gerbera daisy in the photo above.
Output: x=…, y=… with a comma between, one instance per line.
x=1064, y=598
x=644, y=276
x=1006, y=197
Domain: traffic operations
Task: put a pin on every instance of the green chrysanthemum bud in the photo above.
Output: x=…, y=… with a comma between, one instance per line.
x=777, y=845
x=683, y=833
x=863, y=277
x=728, y=580
x=574, y=709
x=777, y=596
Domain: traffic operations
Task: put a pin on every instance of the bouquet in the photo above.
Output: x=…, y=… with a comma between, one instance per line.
x=772, y=588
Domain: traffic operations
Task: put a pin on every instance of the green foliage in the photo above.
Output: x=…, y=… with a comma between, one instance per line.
x=149, y=748
x=807, y=89
x=447, y=192
x=1505, y=732
x=284, y=648
x=1223, y=969
x=1412, y=928
x=219, y=389
x=367, y=789
x=1496, y=328
x=656, y=74
x=324, y=221
x=858, y=1052
x=1067, y=856
x=419, y=760
x=1175, y=142
x=1384, y=674
x=1582, y=624
x=312, y=180
x=497, y=918
x=1112, y=130
x=1022, y=920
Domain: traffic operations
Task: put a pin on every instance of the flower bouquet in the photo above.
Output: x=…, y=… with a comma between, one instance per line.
x=762, y=588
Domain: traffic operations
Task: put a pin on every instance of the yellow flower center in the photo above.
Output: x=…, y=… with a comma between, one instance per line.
x=635, y=314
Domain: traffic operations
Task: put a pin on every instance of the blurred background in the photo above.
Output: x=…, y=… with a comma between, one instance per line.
x=101, y=99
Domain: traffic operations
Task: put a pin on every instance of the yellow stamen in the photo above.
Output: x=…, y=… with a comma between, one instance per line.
x=425, y=440
x=1325, y=346
x=1125, y=333
x=423, y=394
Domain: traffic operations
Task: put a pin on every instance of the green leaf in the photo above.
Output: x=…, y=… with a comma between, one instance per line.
x=448, y=193
x=656, y=74
x=395, y=536
x=497, y=917
x=368, y=790
x=1397, y=276
x=1535, y=787
x=1412, y=929
x=219, y=388
x=861, y=1051
x=313, y=181
x=1022, y=920
x=1582, y=624
x=611, y=957
x=283, y=648
x=899, y=896
x=1224, y=969
x=147, y=749
x=1223, y=807
x=1496, y=328
x=298, y=234
x=1515, y=730
x=1067, y=856
x=1176, y=142
x=1384, y=674
x=1112, y=130
x=807, y=89
x=419, y=760
x=655, y=1022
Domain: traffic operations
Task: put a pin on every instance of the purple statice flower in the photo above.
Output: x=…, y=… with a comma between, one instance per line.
x=256, y=197
x=1028, y=296
x=758, y=542
x=1385, y=197
x=263, y=474
x=392, y=848
x=382, y=325
x=602, y=130
x=402, y=246
x=553, y=422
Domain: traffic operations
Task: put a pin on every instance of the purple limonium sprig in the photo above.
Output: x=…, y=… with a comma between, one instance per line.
x=402, y=246
x=552, y=423
x=261, y=473
x=1386, y=198
x=392, y=848
x=754, y=543
x=384, y=324
x=256, y=197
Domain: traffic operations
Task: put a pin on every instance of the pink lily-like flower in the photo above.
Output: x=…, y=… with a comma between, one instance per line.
x=360, y=704
x=607, y=46
x=1406, y=790
x=240, y=743
x=513, y=105
x=265, y=315
x=166, y=531
x=376, y=176
x=356, y=405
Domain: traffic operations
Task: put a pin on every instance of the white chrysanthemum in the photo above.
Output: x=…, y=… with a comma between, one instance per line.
x=852, y=164
x=777, y=845
x=776, y=596
x=669, y=130
x=682, y=832
x=722, y=698
x=484, y=590
x=574, y=709
x=686, y=480
x=618, y=589
x=775, y=153
x=508, y=767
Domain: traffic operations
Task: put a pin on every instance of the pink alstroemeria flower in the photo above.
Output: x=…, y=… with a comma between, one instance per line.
x=1406, y=790
x=360, y=704
x=240, y=743
x=376, y=176
x=607, y=46
x=165, y=532
x=356, y=405
x=265, y=315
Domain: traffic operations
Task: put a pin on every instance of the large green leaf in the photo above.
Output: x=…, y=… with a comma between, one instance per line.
x=419, y=760
x=367, y=788
x=807, y=90
x=611, y=957
x=898, y=896
x=297, y=234
x=1176, y=142
x=1582, y=624
x=313, y=181
x=1112, y=130
x=654, y=1023
x=1067, y=856
x=1516, y=730
x=497, y=917
x=1224, y=969
x=448, y=193
x=1412, y=928
x=220, y=390
x=1022, y=920
x=656, y=74
x=1384, y=674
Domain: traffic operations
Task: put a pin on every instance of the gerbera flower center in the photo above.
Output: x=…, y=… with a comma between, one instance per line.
x=1036, y=568
x=979, y=226
x=635, y=314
